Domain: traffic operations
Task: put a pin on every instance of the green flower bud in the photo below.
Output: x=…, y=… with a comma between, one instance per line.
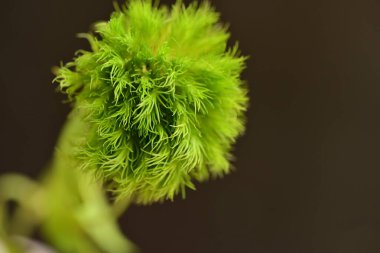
x=162, y=98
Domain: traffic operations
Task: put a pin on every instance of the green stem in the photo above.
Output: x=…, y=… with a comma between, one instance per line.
x=70, y=206
x=82, y=201
x=17, y=188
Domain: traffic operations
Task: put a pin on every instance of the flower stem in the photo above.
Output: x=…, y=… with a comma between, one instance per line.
x=68, y=205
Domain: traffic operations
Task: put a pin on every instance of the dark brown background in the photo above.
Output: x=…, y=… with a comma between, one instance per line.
x=307, y=177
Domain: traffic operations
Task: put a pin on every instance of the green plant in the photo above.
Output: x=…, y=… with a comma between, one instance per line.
x=157, y=104
x=162, y=99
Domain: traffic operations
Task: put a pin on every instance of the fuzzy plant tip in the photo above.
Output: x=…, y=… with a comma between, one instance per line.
x=162, y=98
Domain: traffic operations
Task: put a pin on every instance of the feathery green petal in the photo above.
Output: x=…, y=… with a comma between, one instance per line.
x=162, y=96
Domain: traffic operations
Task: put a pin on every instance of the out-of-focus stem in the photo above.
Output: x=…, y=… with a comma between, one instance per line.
x=69, y=205
x=79, y=200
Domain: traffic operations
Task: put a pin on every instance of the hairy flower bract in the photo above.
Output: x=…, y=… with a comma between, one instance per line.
x=162, y=98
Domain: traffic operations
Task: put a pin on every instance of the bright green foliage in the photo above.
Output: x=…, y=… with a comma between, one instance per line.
x=162, y=97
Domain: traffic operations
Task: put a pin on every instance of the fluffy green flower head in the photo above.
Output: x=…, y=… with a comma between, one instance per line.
x=162, y=97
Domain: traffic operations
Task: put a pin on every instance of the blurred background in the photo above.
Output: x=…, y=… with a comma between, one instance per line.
x=307, y=170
